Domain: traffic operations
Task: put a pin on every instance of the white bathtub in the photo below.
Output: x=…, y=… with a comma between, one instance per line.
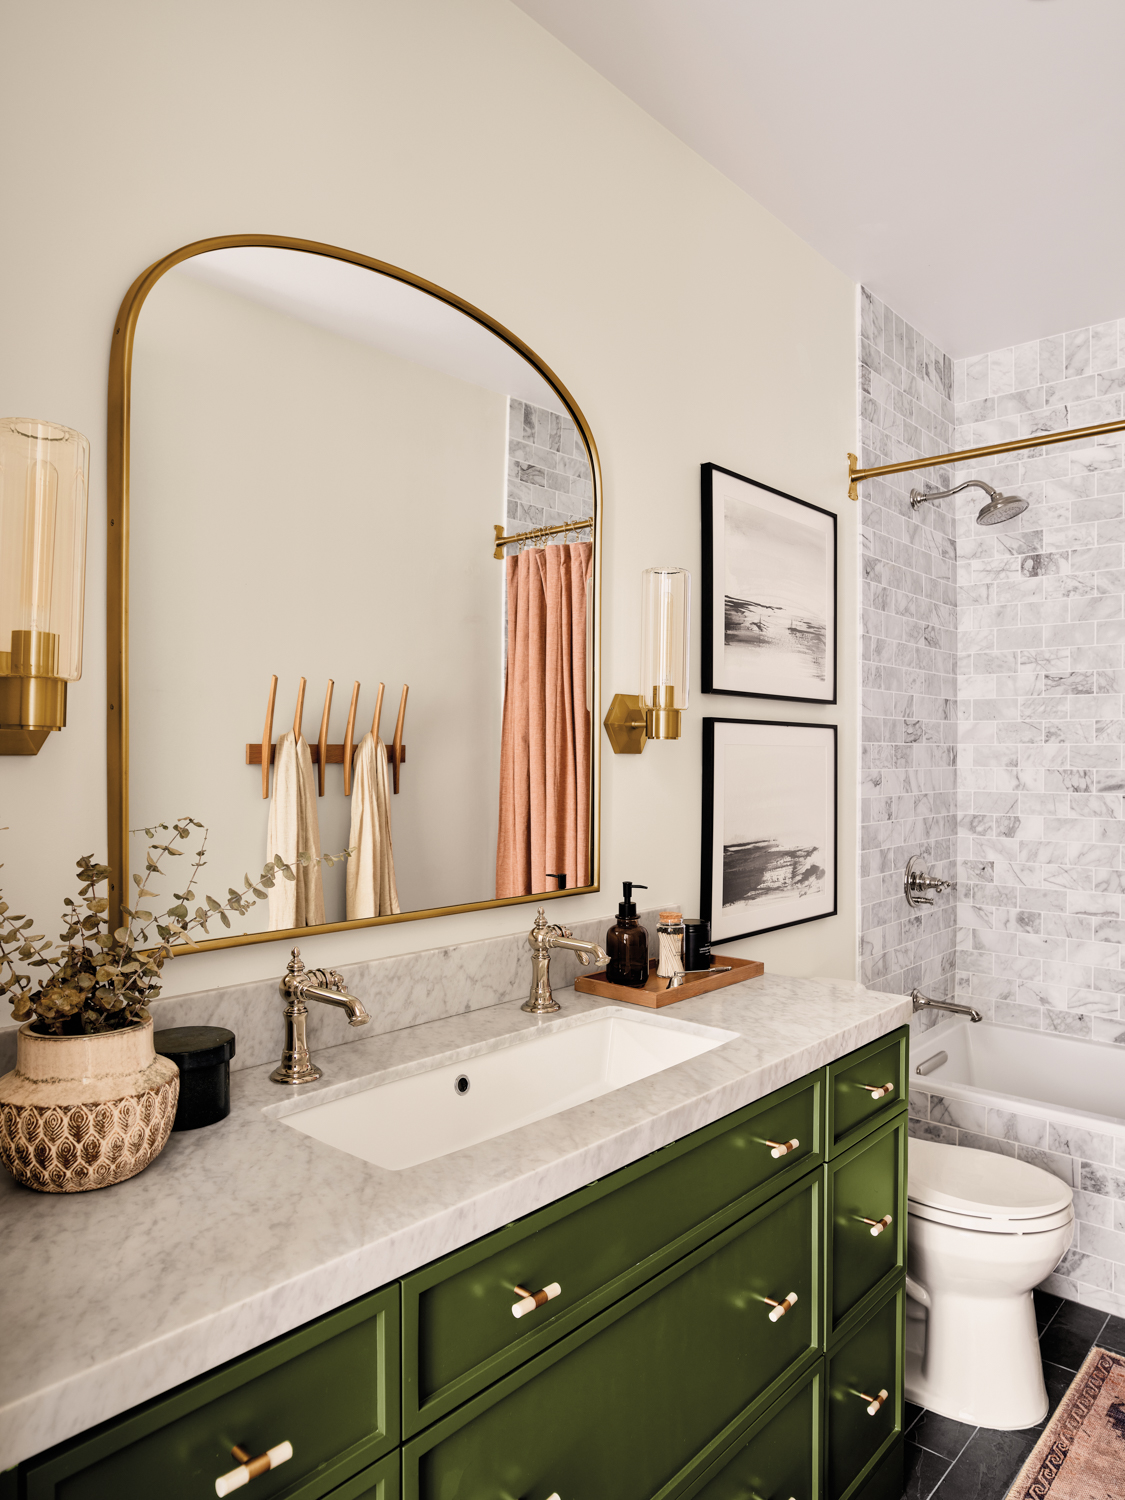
x=1040, y=1073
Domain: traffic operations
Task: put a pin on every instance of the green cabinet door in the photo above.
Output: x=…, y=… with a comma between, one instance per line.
x=864, y=1087
x=638, y=1399
x=865, y=1398
x=382, y=1481
x=459, y=1334
x=865, y=1202
x=778, y=1457
x=330, y=1389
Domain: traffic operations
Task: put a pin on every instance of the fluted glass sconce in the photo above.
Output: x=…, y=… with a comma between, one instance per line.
x=44, y=474
x=654, y=713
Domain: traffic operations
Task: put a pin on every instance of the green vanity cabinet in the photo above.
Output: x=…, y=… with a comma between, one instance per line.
x=779, y=1456
x=640, y=1397
x=866, y=1086
x=459, y=1334
x=866, y=1211
x=725, y=1326
x=382, y=1481
x=331, y=1389
x=864, y=1398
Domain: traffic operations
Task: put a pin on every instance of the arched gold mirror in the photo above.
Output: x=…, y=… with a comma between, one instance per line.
x=314, y=462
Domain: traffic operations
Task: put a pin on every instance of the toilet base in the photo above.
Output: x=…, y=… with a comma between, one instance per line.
x=978, y=1362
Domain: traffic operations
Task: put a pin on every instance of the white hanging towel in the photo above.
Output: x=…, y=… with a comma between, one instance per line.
x=294, y=827
x=371, y=866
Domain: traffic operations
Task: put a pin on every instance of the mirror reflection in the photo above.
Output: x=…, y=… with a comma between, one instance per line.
x=322, y=458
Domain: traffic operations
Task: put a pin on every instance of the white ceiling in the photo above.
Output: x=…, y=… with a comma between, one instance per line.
x=962, y=158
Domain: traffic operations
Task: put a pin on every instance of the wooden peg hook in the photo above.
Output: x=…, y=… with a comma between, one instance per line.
x=322, y=739
x=396, y=749
x=378, y=714
x=349, y=741
x=267, y=740
x=299, y=715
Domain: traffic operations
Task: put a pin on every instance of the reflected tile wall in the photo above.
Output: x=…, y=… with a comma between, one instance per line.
x=548, y=471
x=908, y=658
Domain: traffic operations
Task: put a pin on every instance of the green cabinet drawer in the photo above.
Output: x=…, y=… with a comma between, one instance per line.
x=867, y=1183
x=331, y=1389
x=382, y=1481
x=459, y=1334
x=636, y=1401
x=861, y=1369
x=778, y=1456
x=866, y=1086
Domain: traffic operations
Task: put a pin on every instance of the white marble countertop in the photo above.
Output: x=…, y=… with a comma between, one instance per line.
x=245, y=1230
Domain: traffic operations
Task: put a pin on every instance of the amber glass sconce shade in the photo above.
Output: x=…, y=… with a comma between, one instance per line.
x=44, y=476
x=654, y=713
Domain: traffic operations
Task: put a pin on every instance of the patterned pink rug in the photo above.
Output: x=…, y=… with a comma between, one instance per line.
x=1081, y=1456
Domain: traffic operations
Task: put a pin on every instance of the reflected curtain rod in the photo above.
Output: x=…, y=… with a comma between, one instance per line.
x=503, y=541
x=1066, y=435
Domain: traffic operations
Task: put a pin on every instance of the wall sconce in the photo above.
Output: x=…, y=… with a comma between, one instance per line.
x=654, y=713
x=44, y=474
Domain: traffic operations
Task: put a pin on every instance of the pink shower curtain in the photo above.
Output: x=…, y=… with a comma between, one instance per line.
x=545, y=742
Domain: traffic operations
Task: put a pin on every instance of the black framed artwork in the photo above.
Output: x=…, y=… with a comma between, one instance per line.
x=769, y=591
x=769, y=825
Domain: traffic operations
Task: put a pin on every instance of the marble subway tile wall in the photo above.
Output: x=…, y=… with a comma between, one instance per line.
x=1091, y=1161
x=548, y=471
x=1040, y=685
x=908, y=659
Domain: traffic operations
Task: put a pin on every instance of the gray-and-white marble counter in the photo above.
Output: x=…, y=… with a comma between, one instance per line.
x=243, y=1231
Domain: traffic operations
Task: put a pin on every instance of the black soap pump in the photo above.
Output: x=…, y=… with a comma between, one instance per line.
x=627, y=943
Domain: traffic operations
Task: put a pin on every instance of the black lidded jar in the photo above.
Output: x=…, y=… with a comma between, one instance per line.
x=626, y=942
x=202, y=1054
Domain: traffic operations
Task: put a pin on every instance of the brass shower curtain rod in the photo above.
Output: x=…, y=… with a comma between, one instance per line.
x=1067, y=435
x=503, y=541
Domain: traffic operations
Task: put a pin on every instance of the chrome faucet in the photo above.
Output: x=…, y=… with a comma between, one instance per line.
x=923, y=1002
x=298, y=985
x=541, y=939
x=915, y=884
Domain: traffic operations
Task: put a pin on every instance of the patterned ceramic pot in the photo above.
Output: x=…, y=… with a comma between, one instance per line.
x=82, y=1112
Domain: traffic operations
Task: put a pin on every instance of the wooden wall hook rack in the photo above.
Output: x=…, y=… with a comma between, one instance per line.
x=264, y=753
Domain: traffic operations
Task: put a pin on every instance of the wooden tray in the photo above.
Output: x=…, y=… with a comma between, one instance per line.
x=656, y=992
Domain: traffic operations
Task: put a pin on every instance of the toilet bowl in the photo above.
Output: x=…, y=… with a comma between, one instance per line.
x=984, y=1229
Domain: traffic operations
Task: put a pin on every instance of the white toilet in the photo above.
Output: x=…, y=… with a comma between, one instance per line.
x=984, y=1229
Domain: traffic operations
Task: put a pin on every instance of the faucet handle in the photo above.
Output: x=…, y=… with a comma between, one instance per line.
x=564, y=931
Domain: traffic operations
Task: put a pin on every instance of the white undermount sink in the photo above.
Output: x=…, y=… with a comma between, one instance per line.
x=476, y=1094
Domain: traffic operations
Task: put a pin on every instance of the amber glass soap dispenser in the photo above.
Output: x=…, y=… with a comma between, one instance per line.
x=626, y=942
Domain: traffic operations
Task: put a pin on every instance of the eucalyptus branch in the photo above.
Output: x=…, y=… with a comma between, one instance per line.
x=100, y=980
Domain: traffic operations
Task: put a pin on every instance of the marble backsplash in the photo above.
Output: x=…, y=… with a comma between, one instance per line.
x=403, y=990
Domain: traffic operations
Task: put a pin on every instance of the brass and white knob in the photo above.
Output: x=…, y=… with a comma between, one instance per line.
x=783, y=1148
x=529, y=1301
x=779, y=1309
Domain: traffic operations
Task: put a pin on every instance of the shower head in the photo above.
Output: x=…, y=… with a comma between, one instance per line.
x=999, y=508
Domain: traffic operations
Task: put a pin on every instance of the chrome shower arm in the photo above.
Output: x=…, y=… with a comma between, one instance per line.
x=919, y=497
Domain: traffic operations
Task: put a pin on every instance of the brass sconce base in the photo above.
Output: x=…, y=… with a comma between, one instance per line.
x=625, y=724
x=630, y=725
x=30, y=707
x=662, y=723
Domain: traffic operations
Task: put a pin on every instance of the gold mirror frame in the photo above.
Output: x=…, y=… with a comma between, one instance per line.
x=117, y=568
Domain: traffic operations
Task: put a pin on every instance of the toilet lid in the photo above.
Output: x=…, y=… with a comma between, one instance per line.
x=982, y=1184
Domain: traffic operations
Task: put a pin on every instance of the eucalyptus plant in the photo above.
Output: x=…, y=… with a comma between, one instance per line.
x=103, y=980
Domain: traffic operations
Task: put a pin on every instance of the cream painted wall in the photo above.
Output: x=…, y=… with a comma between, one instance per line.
x=279, y=476
x=458, y=139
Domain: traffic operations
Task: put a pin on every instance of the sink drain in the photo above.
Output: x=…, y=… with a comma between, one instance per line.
x=461, y=1084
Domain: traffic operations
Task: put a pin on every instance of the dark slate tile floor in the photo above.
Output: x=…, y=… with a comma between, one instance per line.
x=947, y=1460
